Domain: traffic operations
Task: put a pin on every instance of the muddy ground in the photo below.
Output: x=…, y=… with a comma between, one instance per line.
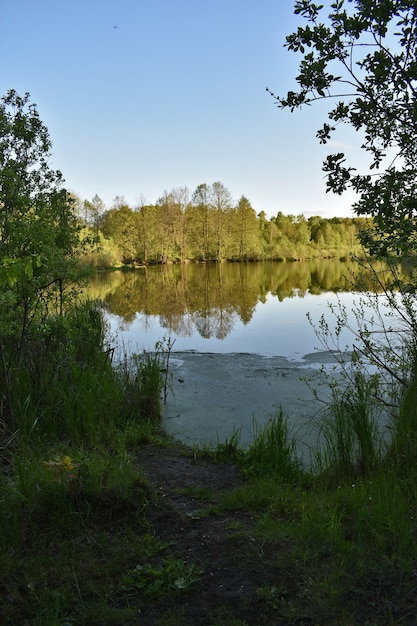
x=211, y=396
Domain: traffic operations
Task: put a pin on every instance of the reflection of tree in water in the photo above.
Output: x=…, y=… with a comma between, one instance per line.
x=181, y=325
x=224, y=299
x=215, y=322
x=213, y=297
x=123, y=301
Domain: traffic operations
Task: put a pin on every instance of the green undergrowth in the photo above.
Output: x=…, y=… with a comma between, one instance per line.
x=345, y=532
x=78, y=541
x=73, y=501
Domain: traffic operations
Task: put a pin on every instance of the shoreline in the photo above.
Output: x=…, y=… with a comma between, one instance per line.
x=212, y=396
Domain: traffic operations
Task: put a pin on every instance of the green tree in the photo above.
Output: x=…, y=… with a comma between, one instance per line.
x=171, y=226
x=201, y=222
x=92, y=210
x=222, y=204
x=247, y=230
x=361, y=56
x=181, y=196
x=268, y=232
x=39, y=231
x=36, y=216
x=123, y=227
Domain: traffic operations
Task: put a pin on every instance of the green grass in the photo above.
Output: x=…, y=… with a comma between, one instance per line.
x=355, y=430
x=348, y=532
x=73, y=504
x=77, y=540
x=273, y=451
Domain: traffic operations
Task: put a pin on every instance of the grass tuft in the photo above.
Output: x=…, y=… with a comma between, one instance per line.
x=273, y=451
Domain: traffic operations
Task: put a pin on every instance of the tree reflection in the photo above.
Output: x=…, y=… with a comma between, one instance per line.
x=181, y=324
x=212, y=298
x=216, y=323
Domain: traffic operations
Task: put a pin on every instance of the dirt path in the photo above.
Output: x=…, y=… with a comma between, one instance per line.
x=235, y=564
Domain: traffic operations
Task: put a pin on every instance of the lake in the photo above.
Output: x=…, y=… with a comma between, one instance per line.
x=257, y=308
x=242, y=340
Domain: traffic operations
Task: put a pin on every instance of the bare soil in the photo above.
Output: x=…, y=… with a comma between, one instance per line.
x=236, y=565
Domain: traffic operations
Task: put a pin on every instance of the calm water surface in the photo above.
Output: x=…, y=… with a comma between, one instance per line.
x=275, y=329
x=225, y=308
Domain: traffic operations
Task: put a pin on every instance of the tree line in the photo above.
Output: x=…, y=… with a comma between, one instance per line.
x=207, y=225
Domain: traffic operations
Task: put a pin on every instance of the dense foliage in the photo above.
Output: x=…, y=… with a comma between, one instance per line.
x=361, y=56
x=39, y=244
x=209, y=226
x=39, y=231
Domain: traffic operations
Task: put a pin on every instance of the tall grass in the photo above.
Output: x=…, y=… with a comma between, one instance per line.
x=68, y=474
x=273, y=450
x=352, y=430
x=404, y=436
x=66, y=387
x=69, y=402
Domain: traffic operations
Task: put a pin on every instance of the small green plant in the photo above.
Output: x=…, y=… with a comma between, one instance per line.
x=160, y=581
x=146, y=378
x=273, y=596
x=229, y=450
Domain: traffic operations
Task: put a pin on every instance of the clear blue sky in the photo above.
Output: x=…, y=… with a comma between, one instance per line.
x=141, y=96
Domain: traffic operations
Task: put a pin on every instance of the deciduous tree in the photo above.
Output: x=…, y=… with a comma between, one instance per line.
x=247, y=230
x=39, y=231
x=201, y=219
x=362, y=57
x=222, y=204
x=122, y=225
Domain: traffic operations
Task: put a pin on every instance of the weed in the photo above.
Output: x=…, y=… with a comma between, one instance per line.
x=227, y=451
x=164, y=348
x=253, y=495
x=197, y=492
x=145, y=378
x=272, y=596
x=161, y=581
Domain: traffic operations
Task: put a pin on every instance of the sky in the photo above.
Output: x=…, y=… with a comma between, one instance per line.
x=143, y=96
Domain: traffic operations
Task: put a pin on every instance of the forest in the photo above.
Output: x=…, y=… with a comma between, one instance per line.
x=207, y=225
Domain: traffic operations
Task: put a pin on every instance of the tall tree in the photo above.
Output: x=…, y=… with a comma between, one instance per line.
x=122, y=226
x=181, y=197
x=39, y=231
x=202, y=221
x=170, y=225
x=362, y=56
x=92, y=210
x=143, y=224
x=247, y=230
x=222, y=204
